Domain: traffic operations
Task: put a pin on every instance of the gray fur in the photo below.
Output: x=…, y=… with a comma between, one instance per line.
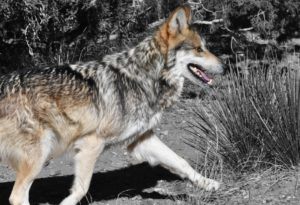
x=117, y=99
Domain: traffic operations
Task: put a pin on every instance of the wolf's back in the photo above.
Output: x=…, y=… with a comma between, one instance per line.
x=52, y=81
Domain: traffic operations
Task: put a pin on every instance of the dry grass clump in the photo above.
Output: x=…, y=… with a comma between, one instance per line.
x=253, y=122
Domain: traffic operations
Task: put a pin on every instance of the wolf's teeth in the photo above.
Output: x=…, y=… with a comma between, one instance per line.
x=210, y=82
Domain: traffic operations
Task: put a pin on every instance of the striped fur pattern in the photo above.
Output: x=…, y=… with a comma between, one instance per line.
x=86, y=106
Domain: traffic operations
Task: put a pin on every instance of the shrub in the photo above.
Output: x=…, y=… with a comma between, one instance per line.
x=44, y=31
x=39, y=32
x=254, y=121
x=270, y=18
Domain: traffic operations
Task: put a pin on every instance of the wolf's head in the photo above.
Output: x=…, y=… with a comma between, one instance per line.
x=192, y=59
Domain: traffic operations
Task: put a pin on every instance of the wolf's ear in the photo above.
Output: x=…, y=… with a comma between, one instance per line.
x=179, y=20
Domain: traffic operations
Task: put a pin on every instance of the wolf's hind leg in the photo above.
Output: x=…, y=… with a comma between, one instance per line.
x=87, y=150
x=27, y=170
x=148, y=147
x=34, y=148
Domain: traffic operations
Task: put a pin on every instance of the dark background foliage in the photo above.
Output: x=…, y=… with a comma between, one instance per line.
x=44, y=32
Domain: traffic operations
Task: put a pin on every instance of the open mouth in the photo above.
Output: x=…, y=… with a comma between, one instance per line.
x=199, y=72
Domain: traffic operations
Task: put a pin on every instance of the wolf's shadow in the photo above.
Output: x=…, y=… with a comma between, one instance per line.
x=129, y=182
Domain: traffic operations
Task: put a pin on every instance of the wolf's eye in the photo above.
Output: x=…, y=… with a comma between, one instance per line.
x=199, y=49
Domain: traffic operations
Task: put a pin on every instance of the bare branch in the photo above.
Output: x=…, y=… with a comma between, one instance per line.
x=246, y=29
x=156, y=23
x=209, y=22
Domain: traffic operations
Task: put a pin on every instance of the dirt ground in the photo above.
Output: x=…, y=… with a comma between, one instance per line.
x=116, y=181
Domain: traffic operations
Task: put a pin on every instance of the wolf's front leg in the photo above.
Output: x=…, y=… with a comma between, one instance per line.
x=148, y=147
x=87, y=150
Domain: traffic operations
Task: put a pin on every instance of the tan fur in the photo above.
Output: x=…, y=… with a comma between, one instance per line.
x=85, y=106
x=169, y=39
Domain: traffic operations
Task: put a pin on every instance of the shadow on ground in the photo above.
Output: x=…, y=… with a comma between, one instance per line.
x=131, y=181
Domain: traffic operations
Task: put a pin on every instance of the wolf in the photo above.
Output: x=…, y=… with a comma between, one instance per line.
x=84, y=107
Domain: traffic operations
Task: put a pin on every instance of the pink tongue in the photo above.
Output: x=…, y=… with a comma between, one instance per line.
x=204, y=76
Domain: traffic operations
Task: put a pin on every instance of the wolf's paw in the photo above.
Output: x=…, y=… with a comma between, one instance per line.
x=69, y=201
x=211, y=184
x=207, y=184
